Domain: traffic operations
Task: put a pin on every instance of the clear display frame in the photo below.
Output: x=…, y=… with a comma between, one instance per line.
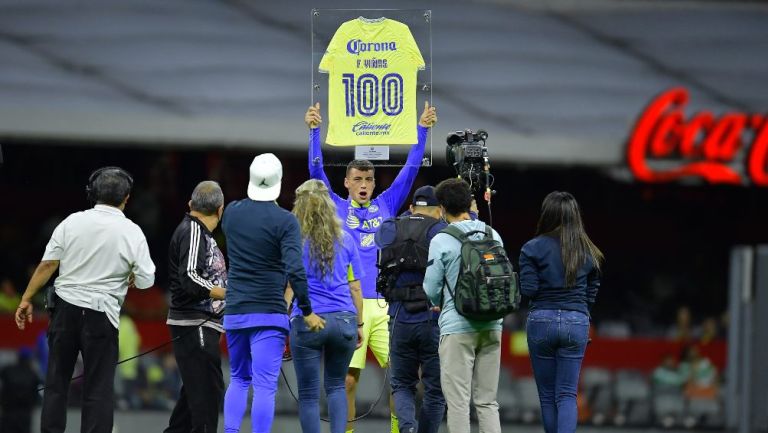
x=325, y=22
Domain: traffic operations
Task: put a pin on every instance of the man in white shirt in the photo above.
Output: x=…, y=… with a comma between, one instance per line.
x=99, y=253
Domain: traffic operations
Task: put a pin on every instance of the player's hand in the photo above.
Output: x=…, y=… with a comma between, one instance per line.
x=435, y=309
x=360, y=338
x=314, y=322
x=23, y=314
x=429, y=116
x=313, y=118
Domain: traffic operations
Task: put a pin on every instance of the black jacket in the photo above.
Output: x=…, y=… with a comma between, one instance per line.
x=195, y=265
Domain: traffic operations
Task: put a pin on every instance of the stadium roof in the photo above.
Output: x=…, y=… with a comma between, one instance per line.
x=553, y=82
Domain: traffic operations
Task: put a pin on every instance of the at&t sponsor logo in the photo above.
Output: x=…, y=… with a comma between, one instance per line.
x=353, y=221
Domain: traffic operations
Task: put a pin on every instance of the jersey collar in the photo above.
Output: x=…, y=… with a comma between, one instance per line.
x=358, y=205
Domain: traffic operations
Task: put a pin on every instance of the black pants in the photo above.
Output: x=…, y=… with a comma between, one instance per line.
x=76, y=330
x=202, y=392
x=16, y=419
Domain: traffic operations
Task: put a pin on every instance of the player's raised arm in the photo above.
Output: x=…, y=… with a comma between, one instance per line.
x=401, y=186
x=313, y=119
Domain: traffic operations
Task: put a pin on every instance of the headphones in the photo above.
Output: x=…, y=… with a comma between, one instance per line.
x=89, y=189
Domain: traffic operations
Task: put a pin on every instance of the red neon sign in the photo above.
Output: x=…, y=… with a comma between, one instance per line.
x=704, y=146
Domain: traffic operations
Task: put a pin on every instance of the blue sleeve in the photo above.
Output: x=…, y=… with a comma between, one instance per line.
x=434, y=277
x=396, y=194
x=497, y=236
x=386, y=233
x=290, y=246
x=529, y=275
x=354, y=257
x=316, y=163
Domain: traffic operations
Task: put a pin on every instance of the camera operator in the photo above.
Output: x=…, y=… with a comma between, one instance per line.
x=99, y=253
x=414, y=333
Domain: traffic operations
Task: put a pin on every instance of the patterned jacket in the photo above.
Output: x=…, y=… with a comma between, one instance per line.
x=195, y=265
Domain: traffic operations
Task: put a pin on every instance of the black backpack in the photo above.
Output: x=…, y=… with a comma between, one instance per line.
x=407, y=253
x=487, y=288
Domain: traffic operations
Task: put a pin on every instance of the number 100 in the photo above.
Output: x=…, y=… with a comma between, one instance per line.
x=365, y=94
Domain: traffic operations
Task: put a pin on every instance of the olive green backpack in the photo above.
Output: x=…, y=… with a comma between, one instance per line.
x=487, y=288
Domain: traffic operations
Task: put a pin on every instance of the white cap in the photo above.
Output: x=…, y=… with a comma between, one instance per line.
x=266, y=176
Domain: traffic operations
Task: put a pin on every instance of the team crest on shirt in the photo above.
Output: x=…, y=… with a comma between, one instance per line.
x=353, y=222
x=373, y=208
x=366, y=239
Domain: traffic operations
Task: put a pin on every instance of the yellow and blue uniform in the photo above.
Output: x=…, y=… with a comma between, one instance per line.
x=362, y=222
x=372, y=67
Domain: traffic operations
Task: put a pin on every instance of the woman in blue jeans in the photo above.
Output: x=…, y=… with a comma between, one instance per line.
x=333, y=273
x=559, y=273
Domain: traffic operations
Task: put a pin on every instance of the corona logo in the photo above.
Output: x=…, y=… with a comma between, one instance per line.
x=357, y=46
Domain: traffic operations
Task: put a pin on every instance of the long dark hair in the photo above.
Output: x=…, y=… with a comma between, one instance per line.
x=560, y=215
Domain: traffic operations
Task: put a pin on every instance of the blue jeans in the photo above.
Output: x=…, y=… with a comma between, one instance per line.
x=556, y=342
x=414, y=345
x=336, y=343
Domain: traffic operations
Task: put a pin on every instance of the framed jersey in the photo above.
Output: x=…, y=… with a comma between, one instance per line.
x=371, y=74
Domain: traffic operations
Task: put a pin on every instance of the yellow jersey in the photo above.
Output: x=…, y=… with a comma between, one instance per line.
x=372, y=67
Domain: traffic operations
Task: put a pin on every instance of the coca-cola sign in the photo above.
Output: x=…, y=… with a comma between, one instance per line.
x=731, y=148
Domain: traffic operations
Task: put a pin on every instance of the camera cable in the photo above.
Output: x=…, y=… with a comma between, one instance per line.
x=158, y=347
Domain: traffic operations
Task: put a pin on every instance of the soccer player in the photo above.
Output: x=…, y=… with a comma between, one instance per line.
x=362, y=216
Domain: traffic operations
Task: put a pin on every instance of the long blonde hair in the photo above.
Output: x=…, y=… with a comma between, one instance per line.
x=320, y=227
